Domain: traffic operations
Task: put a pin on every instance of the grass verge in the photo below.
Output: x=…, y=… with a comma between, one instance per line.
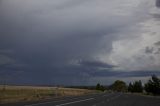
x=11, y=94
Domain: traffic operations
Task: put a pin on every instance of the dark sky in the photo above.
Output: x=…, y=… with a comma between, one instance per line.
x=78, y=42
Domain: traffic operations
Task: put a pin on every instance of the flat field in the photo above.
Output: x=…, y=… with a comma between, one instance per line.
x=10, y=94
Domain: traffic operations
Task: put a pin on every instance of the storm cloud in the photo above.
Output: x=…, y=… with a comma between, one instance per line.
x=158, y=3
x=73, y=41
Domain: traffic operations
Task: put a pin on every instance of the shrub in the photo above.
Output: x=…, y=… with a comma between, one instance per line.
x=153, y=85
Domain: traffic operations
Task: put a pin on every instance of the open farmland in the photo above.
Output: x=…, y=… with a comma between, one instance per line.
x=10, y=94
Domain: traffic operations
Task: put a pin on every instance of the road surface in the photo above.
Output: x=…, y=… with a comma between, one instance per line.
x=104, y=99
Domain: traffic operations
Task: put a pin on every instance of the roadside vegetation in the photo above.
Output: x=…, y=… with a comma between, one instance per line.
x=100, y=87
x=119, y=86
x=135, y=87
x=152, y=87
x=10, y=94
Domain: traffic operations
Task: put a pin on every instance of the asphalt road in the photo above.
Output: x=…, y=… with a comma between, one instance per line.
x=104, y=99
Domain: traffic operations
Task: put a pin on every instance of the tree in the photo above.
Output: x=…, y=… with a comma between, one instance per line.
x=130, y=87
x=100, y=87
x=153, y=85
x=138, y=86
x=119, y=86
x=135, y=87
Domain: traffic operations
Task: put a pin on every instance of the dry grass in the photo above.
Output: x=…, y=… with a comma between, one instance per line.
x=11, y=94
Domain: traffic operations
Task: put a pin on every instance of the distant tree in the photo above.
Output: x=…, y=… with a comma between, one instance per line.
x=138, y=86
x=119, y=86
x=100, y=87
x=130, y=87
x=135, y=87
x=153, y=85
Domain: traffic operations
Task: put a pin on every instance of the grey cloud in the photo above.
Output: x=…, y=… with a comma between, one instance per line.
x=158, y=51
x=157, y=43
x=5, y=51
x=35, y=43
x=96, y=64
x=149, y=50
x=106, y=73
x=157, y=16
x=42, y=37
x=4, y=60
x=70, y=4
x=158, y=3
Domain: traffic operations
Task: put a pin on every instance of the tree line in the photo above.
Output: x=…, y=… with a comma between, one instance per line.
x=151, y=87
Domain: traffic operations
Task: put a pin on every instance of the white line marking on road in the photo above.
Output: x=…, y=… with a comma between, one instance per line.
x=115, y=97
x=107, y=95
x=49, y=102
x=75, y=102
x=44, y=103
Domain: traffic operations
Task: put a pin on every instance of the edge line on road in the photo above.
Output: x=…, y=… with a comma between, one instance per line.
x=75, y=102
x=50, y=102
